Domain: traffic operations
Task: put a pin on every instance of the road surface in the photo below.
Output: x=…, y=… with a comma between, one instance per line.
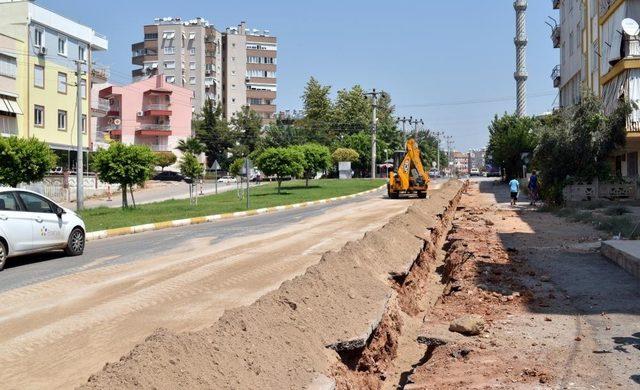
x=62, y=318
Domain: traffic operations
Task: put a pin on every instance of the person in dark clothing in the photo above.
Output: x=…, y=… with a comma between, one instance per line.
x=533, y=188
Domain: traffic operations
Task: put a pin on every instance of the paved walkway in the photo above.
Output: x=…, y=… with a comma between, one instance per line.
x=155, y=191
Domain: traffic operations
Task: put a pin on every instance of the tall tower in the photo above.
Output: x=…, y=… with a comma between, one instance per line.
x=521, y=56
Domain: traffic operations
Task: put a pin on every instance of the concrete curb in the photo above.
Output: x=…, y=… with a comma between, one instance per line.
x=124, y=231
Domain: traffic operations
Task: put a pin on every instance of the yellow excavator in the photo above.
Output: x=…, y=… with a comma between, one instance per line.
x=408, y=175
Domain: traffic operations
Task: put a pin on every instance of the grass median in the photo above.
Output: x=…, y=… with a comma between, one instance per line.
x=263, y=196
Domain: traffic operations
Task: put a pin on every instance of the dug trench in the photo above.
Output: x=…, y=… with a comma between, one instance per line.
x=350, y=322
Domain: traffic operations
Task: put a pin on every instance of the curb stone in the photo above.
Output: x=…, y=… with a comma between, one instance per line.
x=129, y=230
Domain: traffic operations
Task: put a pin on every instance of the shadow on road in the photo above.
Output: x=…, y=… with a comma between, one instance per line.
x=20, y=261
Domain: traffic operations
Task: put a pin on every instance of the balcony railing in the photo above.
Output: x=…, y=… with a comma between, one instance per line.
x=9, y=131
x=555, y=37
x=102, y=104
x=100, y=73
x=107, y=128
x=156, y=107
x=555, y=76
x=155, y=147
x=151, y=126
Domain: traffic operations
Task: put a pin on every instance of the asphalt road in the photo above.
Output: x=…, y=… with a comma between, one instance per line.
x=27, y=270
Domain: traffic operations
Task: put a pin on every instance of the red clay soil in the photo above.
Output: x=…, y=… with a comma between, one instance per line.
x=281, y=341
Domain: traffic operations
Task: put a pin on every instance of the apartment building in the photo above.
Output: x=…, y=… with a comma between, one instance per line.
x=150, y=112
x=10, y=110
x=40, y=49
x=235, y=68
x=597, y=54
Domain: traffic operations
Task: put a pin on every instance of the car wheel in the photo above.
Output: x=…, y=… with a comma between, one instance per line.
x=3, y=255
x=75, y=244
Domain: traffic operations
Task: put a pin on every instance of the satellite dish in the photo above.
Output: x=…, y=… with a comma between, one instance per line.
x=630, y=27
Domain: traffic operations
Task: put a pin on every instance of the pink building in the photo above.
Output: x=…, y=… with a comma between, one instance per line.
x=148, y=112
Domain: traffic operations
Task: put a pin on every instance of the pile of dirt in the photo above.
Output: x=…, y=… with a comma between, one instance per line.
x=340, y=313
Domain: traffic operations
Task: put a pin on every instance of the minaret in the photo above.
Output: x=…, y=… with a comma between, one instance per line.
x=521, y=56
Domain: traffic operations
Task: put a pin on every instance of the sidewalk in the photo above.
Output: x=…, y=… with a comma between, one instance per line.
x=156, y=191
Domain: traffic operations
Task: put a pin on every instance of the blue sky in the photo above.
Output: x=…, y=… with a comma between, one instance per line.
x=431, y=56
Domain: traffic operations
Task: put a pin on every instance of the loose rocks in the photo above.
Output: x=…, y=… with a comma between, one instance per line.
x=469, y=325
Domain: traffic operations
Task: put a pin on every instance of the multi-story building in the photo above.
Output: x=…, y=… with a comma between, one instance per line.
x=598, y=55
x=187, y=53
x=250, y=62
x=150, y=112
x=10, y=110
x=235, y=68
x=46, y=47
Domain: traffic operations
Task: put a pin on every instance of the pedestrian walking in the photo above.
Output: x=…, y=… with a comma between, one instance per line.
x=514, y=188
x=533, y=188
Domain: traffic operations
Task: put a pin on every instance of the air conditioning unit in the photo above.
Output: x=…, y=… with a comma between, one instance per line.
x=42, y=51
x=140, y=113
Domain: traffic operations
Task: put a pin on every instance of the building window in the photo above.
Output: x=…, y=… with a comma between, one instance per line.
x=38, y=76
x=62, y=82
x=38, y=37
x=82, y=53
x=169, y=64
x=38, y=116
x=168, y=35
x=62, y=46
x=150, y=36
x=8, y=66
x=192, y=80
x=62, y=120
x=84, y=123
x=192, y=65
x=170, y=79
x=255, y=101
x=169, y=50
x=192, y=51
x=83, y=88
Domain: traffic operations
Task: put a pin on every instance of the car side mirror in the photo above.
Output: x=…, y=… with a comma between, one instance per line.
x=59, y=211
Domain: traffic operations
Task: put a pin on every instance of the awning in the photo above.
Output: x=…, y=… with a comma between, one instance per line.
x=9, y=105
x=192, y=36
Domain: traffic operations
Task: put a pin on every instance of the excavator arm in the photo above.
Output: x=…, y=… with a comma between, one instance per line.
x=409, y=175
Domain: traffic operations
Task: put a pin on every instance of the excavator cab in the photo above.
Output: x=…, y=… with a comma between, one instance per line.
x=408, y=175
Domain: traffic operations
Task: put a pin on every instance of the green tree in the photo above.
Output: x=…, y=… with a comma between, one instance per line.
x=24, y=160
x=317, y=158
x=164, y=159
x=281, y=162
x=318, y=111
x=576, y=143
x=213, y=131
x=279, y=134
x=246, y=125
x=509, y=137
x=388, y=130
x=190, y=166
x=191, y=145
x=429, y=149
x=126, y=165
x=352, y=111
x=361, y=143
x=235, y=168
x=344, y=154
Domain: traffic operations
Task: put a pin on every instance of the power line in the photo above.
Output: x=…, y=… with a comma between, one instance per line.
x=474, y=101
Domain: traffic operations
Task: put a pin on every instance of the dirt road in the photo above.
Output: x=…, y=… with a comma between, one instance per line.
x=56, y=333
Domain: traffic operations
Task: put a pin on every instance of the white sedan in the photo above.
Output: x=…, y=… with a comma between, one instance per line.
x=227, y=179
x=30, y=222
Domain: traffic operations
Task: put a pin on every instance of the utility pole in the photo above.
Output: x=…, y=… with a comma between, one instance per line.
x=521, y=57
x=438, y=134
x=374, y=128
x=404, y=132
x=415, y=123
x=449, y=140
x=80, y=156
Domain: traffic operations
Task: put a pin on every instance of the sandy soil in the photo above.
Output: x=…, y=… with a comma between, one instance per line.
x=55, y=334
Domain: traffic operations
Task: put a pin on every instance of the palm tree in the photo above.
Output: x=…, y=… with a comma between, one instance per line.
x=191, y=145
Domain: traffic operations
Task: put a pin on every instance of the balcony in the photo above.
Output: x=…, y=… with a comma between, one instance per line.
x=113, y=130
x=152, y=129
x=555, y=37
x=156, y=110
x=155, y=147
x=100, y=107
x=605, y=5
x=99, y=75
x=555, y=76
x=556, y=4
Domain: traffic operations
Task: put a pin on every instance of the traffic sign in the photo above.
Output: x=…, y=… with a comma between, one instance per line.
x=215, y=166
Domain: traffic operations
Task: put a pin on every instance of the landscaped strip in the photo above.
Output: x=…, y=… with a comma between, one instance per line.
x=121, y=231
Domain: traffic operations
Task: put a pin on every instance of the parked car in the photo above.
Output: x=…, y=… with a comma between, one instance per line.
x=30, y=222
x=474, y=172
x=168, y=176
x=434, y=173
x=227, y=179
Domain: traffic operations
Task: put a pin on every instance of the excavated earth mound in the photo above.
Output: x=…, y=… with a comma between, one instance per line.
x=292, y=337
